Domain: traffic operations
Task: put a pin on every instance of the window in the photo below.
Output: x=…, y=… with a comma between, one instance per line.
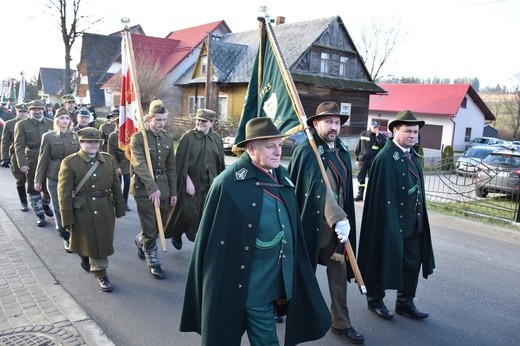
x=192, y=106
x=464, y=103
x=345, y=109
x=343, y=61
x=324, y=66
x=467, y=135
x=204, y=65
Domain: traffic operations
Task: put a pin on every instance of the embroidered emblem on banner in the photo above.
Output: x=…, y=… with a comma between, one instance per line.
x=396, y=156
x=241, y=174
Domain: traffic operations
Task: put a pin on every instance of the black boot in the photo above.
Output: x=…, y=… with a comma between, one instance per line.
x=23, y=197
x=359, y=196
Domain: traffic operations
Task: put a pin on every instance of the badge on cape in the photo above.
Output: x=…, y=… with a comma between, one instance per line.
x=320, y=149
x=396, y=156
x=241, y=174
x=289, y=181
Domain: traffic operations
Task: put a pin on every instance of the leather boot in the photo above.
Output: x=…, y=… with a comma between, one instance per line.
x=152, y=259
x=103, y=281
x=359, y=196
x=22, y=193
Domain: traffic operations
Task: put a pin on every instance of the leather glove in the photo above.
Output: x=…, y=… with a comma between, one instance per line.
x=359, y=164
x=342, y=229
x=5, y=163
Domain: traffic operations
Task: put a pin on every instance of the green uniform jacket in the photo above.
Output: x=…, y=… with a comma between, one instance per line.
x=90, y=220
x=27, y=139
x=8, y=143
x=202, y=158
x=163, y=159
x=113, y=149
x=381, y=242
x=219, y=271
x=105, y=130
x=311, y=194
x=54, y=148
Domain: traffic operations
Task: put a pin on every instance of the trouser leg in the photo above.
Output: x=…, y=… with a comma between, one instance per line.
x=411, y=268
x=36, y=204
x=260, y=325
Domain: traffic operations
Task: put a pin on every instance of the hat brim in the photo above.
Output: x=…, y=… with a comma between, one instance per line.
x=201, y=118
x=405, y=122
x=243, y=143
x=343, y=117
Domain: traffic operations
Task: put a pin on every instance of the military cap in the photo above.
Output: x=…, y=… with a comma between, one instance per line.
x=206, y=114
x=36, y=104
x=61, y=111
x=328, y=108
x=158, y=107
x=405, y=117
x=375, y=123
x=89, y=134
x=83, y=112
x=21, y=107
x=68, y=98
x=113, y=113
x=260, y=128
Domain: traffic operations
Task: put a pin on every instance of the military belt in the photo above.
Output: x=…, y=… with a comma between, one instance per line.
x=98, y=193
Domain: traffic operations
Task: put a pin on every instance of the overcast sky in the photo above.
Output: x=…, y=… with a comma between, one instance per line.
x=446, y=38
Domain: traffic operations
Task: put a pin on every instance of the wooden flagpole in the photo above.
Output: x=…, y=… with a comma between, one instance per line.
x=303, y=121
x=139, y=112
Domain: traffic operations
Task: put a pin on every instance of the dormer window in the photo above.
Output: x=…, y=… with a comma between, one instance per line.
x=324, y=66
x=343, y=61
x=204, y=65
x=464, y=103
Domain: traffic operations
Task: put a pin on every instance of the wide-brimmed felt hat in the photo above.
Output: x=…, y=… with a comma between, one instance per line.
x=260, y=128
x=83, y=112
x=205, y=114
x=113, y=113
x=36, y=104
x=405, y=117
x=61, y=111
x=21, y=107
x=68, y=98
x=89, y=134
x=328, y=108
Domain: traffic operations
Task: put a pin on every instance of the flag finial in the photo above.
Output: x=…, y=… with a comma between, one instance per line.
x=264, y=9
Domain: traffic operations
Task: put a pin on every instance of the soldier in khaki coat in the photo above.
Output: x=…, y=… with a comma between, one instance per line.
x=27, y=139
x=90, y=199
x=153, y=190
x=56, y=145
x=9, y=158
x=107, y=128
x=122, y=161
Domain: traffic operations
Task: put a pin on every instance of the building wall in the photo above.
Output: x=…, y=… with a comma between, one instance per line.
x=469, y=117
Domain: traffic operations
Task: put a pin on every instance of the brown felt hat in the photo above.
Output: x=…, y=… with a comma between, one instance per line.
x=405, y=117
x=89, y=134
x=205, y=114
x=327, y=108
x=260, y=128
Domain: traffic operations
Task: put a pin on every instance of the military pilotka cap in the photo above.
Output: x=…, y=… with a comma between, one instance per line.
x=157, y=107
x=205, y=114
x=328, y=108
x=260, y=128
x=36, y=104
x=68, y=98
x=405, y=117
x=83, y=112
x=21, y=107
x=61, y=111
x=89, y=134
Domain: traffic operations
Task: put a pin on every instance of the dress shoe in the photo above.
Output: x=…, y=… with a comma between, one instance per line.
x=85, y=265
x=40, y=221
x=177, y=243
x=140, y=252
x=24, y=207
x=127, y=208
x=157, y=272
x=382, y=312
x=66, y=246
x=48, y=211
x=104, y=284
x=410, y=311
x=351, y=334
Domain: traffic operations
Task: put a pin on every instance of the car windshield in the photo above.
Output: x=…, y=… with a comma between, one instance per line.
x=480, y=153
x=503, y=160
x=481, y=140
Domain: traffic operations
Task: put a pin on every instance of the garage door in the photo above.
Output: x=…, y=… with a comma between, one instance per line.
x=431, y=136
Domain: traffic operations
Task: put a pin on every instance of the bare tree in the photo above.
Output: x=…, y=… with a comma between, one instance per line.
x=71, y=24
x=379, y=39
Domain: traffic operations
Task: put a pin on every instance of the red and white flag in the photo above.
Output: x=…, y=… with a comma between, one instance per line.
x=129, y=104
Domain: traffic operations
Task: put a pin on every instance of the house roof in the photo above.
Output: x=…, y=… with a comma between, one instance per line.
x=427, y=99
x=51, y=80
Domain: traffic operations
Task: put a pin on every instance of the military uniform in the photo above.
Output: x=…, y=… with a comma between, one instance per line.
x=55, y=147
x=105, y=130
x=27, y=139
x=9, y=158
x=143, y=183
x=90, y=213
x=122, y=162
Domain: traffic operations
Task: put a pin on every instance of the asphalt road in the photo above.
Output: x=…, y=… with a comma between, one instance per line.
x=472, y=297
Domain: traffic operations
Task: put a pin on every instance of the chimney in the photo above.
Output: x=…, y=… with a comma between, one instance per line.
x=280, y=20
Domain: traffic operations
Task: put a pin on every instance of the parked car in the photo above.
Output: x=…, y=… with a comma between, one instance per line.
x=499, y=173
x=467, y=164
x=227, y=143
x=489, y=141
x=292, y=142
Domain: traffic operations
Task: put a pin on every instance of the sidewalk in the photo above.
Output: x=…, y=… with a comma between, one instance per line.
x=34, y=308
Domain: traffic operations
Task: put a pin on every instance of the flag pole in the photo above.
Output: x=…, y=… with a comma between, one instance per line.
x=139, y=112
x=303, y=121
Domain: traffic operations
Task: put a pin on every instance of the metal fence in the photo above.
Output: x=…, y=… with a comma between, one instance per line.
x=449, y=190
